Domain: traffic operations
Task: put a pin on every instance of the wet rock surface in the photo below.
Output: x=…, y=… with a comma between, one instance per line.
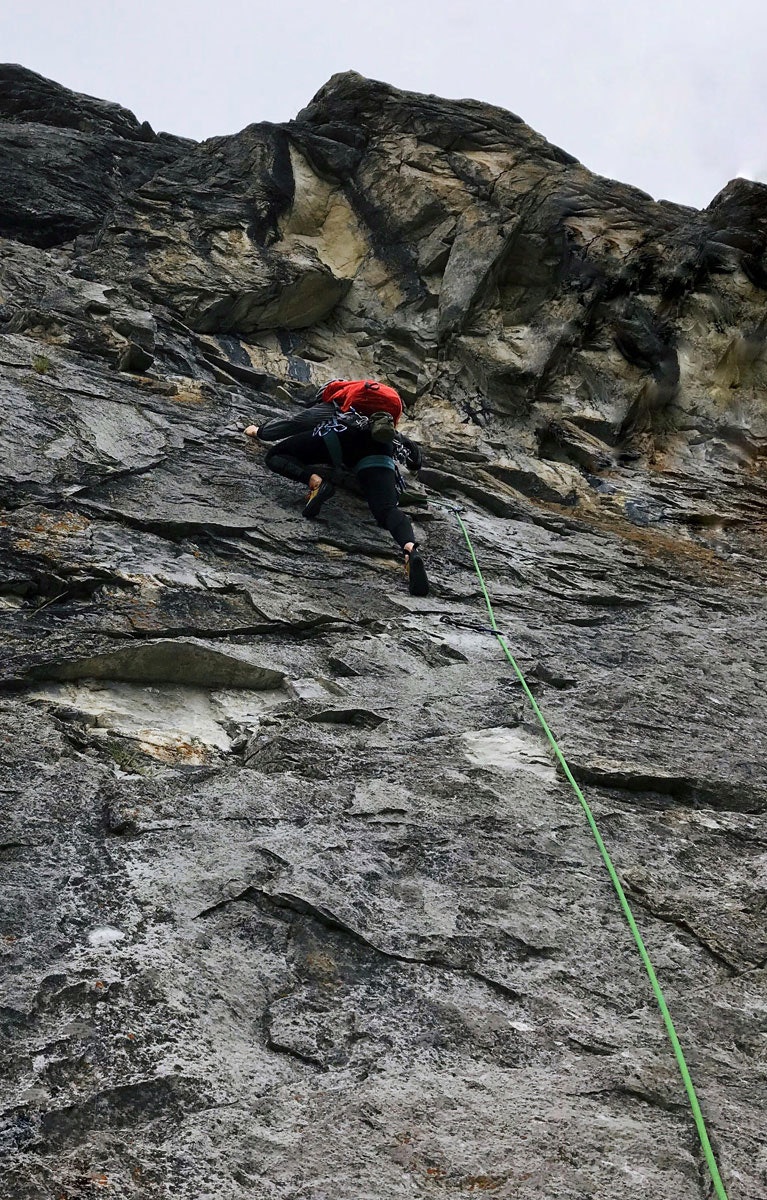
x=296, y=903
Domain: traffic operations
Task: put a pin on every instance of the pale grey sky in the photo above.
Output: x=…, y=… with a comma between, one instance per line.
x=670, y=95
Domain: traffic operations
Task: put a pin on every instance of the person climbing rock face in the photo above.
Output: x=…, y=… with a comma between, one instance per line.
x=351, y=427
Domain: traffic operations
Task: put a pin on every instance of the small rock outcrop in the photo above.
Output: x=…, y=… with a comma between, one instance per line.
x=297, y=903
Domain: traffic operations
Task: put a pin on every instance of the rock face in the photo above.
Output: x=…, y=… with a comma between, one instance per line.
x=296, y=903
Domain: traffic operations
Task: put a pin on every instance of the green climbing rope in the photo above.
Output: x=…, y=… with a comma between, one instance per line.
x=661, y=999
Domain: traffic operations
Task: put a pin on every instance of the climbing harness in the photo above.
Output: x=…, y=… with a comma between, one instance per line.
x=625, y=906
x=350, y=418
x=340, y=423
x=329, y=432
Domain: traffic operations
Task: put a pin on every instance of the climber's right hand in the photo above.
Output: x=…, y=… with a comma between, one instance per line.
x=252, y=431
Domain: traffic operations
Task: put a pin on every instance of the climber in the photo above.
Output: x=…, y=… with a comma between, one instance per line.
x=351, y=428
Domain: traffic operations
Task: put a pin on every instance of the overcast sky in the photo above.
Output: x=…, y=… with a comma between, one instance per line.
x=670, y=95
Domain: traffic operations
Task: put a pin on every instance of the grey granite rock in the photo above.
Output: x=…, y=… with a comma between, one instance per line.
x=296, y=903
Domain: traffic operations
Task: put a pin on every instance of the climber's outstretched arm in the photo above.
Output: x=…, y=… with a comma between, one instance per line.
x=282, y=427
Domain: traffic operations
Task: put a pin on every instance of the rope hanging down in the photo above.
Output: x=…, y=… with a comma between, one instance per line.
x=678, y=1052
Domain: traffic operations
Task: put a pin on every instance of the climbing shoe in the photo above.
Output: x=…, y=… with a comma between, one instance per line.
x=316, y=497
x=417, y=581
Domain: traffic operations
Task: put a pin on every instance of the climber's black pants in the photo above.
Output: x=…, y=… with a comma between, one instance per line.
x=301, y=456
x=380, y=490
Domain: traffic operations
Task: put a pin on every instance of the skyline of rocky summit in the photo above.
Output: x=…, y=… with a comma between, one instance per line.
x=297, y=902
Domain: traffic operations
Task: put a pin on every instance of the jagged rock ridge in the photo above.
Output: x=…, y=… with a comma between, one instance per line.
x=296, y=903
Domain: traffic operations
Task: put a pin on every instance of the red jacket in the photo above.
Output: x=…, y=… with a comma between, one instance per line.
x=364, y=396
